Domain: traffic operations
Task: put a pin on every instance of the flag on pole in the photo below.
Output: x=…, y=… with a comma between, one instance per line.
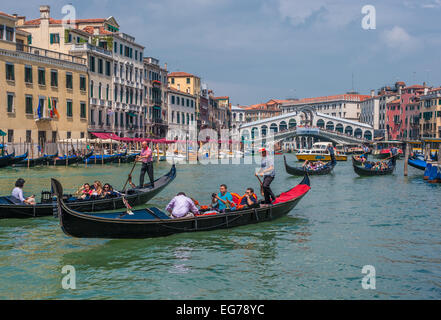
x=55, y=109
x=39, y=111
x=49, y=107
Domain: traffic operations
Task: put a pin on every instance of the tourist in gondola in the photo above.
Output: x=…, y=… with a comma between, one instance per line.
x=17, y=193
x=223, y=200
x=249, y=199
x=182, y=206
x=97, y=190
x=268, y=173
x=108, y=191
x=85, y=191
x=146, y=157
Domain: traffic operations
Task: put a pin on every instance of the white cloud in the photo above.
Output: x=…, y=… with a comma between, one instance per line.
x=398, y=38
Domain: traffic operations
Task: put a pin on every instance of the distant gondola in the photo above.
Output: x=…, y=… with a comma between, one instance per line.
x=300, y=171
x=417, y=162
x=363, y=171
x=4, y=161
x=9, y=208
x=17, y=159
x=61, y=161
x=152, y=222
x=36, y=161
x=100, y=159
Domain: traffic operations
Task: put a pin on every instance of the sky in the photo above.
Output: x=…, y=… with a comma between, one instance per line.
x=256, y=50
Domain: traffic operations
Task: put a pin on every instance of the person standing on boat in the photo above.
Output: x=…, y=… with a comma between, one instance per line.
x=147, y=164
x=268, y=173
x=331, y=153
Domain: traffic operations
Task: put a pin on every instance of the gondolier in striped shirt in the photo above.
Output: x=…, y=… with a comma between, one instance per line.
x=147, y=164
x=268, y=173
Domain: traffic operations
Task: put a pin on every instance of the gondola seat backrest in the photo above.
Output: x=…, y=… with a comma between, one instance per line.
x=46, y=197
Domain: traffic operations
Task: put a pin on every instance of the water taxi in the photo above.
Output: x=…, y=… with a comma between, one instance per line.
x=319, y=152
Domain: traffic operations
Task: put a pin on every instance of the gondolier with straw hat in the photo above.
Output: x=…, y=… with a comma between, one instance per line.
x=268, y=173
x=147, y=164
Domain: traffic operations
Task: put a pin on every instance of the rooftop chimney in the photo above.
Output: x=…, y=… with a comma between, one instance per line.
x=165, y=66
x=45, y=12
x=372, y=93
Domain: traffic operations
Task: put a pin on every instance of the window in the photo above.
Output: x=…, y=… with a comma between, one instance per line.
x=82, y=83
x=28, y=74
x=68, y=80
x=99, y=90
x=54, y=38
x=107, y=68
x=100, y=66
x=188, y=80
x=91, y=89
x=92, y=64
x=68, y=135
x=115, y=47
x=41, y=76
x=100, y=116
x=9, y=34
x=173, y=99
x=92, y=117
x=173, y=80
x=82, y=110
x=69, y=108
x=10, y=136
x=82, y=135
x=107, y=92
x=136, y=54
x=177, y=101
x=28, y=104
x=10, y=102
x=115, y=92
x=28, y=136
x=116, y=119
x=120, y=49
x=10, y=71
x=54, y=78
x=188, y=102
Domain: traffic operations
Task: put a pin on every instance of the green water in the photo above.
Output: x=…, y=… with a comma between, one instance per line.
x=316, y=252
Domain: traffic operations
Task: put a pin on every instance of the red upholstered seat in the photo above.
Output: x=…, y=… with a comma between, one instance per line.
x=295, y=192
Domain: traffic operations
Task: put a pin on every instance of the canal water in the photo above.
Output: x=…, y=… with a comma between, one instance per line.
x=318, y=251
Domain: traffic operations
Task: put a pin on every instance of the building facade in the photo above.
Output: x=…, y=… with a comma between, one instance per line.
x=44, y=93
x=181, y=110
x=237, y=117
x=187, y=83
x=155, y=97
x=430, y=114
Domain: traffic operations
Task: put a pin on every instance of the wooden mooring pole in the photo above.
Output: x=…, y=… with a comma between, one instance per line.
x=406, y=158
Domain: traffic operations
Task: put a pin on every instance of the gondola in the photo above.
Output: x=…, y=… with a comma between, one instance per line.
x=100, y=159
x=36, y=161
x=152, y=222
x=363, y=171
x=129, y=158
x=9, y=208
x=417, y=162
x=300, y=171
x=4, y=161
x=61, y=161
x=18, y=159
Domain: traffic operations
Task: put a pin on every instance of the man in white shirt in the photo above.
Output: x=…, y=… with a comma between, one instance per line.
x=182, y=206
x=17, y=193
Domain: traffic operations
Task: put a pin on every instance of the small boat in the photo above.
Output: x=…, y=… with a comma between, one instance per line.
x=61, y=161
x=362, y=170
x=129, y=158
x=319, y=152
x=300, y=171
x=35, y=161
x=153, y=222
x=18, y=159
x=11, y=208
x=417, y=162
x=100, y=159
x=4, y=161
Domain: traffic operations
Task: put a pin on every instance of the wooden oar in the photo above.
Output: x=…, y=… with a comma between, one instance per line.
x=261, y=185
x=130, y=174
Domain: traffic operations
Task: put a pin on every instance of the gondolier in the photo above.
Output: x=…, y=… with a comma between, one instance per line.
x=268, y=173
x=331, y=153
x=147, y=164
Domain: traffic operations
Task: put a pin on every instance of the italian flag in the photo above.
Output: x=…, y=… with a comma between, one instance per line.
x=49, y=108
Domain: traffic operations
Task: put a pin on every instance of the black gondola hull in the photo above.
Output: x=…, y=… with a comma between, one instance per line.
x=300, y=171
x=83, y=225
x=135, y=197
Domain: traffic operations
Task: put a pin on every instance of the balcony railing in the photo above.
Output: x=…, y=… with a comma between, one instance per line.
x=50, y=54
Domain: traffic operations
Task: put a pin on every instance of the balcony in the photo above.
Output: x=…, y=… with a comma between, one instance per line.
x=78, y=47
x=49, y=54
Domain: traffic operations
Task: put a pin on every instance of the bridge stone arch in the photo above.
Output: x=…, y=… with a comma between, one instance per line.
x=367, y=135
x=358, y=133
x=339, y=127
x=309, y=113
x=320, y=123
x=330, y=125
x=292, y=123
x=274, y=127
x=283, y=126
x=264, y=130
x=254, y=132
x=349, y=130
